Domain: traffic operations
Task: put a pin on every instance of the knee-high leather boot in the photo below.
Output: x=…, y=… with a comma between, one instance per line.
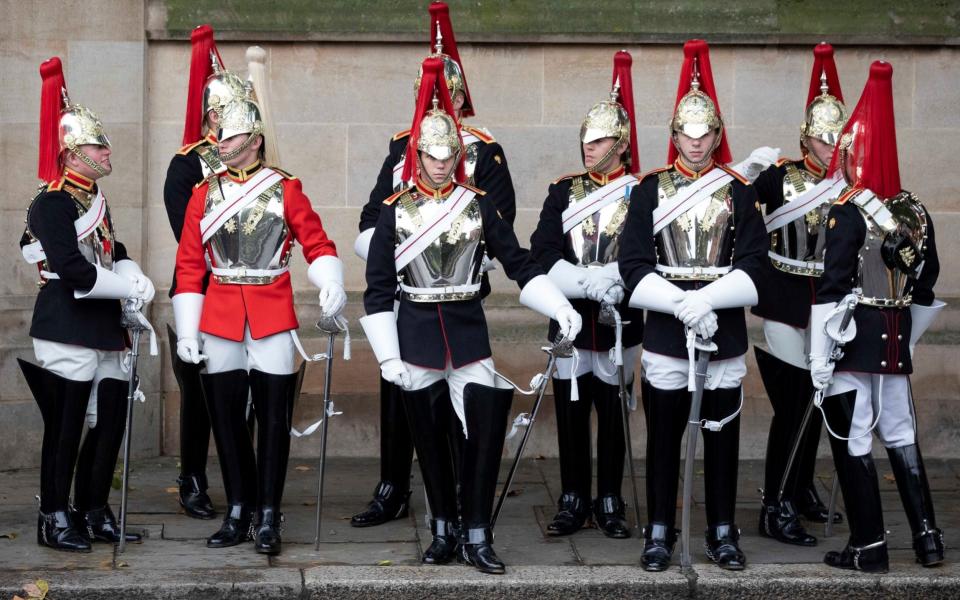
x=666, y=413
x=63, y=404
x=429, y=413
x=391, y=498
x=194, y=437
x=907, y=463
x=609, y=508
x=573, y=443
x=486, y=410
x=721, y=458
x=226, y=396
x=866, y=549
x=273, y=400
x=97, y=463
x=786, y=386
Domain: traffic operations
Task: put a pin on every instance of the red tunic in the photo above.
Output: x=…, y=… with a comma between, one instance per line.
x=268, y=309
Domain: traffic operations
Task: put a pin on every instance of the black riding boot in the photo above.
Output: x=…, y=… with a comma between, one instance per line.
x=429, y=413
x=911, y=476
x=573, y=443
x=63, y=404
x=666, y=413
x=97, y=463
x=721, y=456
x=273, y=400
x=787, y=387
x=487, y=410
x=226, y=396
x=866, y=549
x=609, y=508
x=391, y=498
x=194, y=437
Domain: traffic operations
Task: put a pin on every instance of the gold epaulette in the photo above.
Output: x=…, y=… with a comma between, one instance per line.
x=735, y=175
x=482, y=135
x=784, y=161
x=394, y=197
x=401, y=134
x=475, y=190
x=846, y=196
x=190, y=147
x=284, y=173
x=570, y=176
x=55, y=186
x=654, y=172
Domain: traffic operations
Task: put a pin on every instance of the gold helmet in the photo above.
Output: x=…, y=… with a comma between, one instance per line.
x=824, y=118
x=696, y=114
x=221, y=88
x=80, y=125
x=452, y=73
x=241, y=116
x=438, y=134
x=606, y=118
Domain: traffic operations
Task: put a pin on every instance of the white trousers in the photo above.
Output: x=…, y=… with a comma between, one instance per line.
x=272, y=354
x=671, y=373
x=598, y=363
x=478, y=372
x=888, y=395
x=79, y=363
x=789, y=344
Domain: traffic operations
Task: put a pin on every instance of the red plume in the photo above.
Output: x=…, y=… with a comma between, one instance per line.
x=823, y=62
x=874, y=147
x=698, y=49
x=430, y=82
x=202, y=44
x=51, y=103
x=622, y=63
x=440, y=13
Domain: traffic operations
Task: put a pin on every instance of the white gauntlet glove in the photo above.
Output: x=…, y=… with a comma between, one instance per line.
x=597, y=280
x=396, y=373
x=757, y=162
x=326, y=272
x=821, y=371
x=332, y=299
x=188, y=349
x=569, y=320
x=143, y=288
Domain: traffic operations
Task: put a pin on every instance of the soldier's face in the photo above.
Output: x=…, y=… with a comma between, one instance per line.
x=821, y=150
x=245, y=158
x=437, y=171
x=95, y=152
x=596, y=151
x=695, y=150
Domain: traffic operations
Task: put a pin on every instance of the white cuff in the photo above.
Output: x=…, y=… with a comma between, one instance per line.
x=543, y=296
x=657, y=294
x=566, y=277
x=381, y=331
x=325, y=269
x=187, y=308
x=362, y=244
x=820, y=343
x=128, y=268
x=733, y=290
x=922, y=317
x=109, y=286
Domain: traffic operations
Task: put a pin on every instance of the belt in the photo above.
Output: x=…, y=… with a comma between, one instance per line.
x=446, y=293
x=794, y=266
x=886, y=302
x=247, y=276
x=693, y=272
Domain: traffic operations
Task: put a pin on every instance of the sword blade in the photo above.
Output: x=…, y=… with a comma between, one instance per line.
x=323, y=437
x=832, y=508
x=693, y=432
x=625, y=410
x=131, y=392
x=793, y=450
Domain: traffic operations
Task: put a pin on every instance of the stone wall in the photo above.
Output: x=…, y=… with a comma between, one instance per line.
x=337, y=103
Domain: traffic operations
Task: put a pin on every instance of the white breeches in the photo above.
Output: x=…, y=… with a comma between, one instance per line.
x=598, y=363
x=671, y=373
x=272, y=354
x=478, y=372
x=79, y=363
x=789, y=344
x=888, y=395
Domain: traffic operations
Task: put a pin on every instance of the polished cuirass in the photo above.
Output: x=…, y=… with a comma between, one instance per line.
x=801, y=240
x=210, y=161
x=697, y=244
x=892, y=250
x=596, y=239
x=252, y=240
x=450, y=261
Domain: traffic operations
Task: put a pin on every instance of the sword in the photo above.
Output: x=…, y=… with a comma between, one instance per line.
x=134, y=321
x=610, y=316
x=561, y=348
x=331, y=327
x=831, y=507
x=703, y=348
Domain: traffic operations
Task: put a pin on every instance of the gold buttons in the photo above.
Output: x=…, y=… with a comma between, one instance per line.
x=899, y=337
x=883, y=337
x=899, y=365
x=883, y=364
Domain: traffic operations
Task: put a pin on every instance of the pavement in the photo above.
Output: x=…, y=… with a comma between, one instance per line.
x=384, y=561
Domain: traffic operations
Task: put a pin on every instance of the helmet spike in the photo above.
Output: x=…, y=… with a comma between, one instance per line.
x=824, y=86
x=615, y=92
x=438, y=46
x=695, y=75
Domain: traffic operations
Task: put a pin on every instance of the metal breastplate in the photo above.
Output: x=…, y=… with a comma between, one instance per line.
x=253, y=239
x=210, y=161
x=453, y=259
x=693, y=245
x=892, y=252
x=596, y=239
x=471, y=153
x=802, y=239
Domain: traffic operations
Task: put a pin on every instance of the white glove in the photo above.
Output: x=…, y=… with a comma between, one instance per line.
x=143, y=287
x=759, y=159
x=188, y=349
x=694, y=306
x=569, y=320
x=597, y=280
x=706, y=327
x=396, y=373
x=821, y=371
x=614, y=295
x=332, y=299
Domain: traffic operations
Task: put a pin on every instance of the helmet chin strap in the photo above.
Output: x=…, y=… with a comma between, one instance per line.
x=601, y=165
x=228, y=156
x=87, y=161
